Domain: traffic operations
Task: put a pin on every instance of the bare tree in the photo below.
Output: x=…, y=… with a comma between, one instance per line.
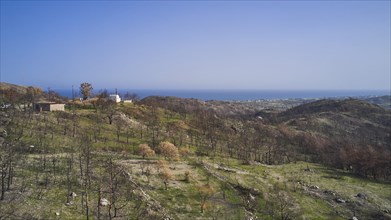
x=85, y=90
x=109, y=109
x=120, y=124
x=115, y=181
x=153, y=126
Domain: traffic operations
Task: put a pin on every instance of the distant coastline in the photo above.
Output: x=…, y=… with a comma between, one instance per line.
x=242, y=95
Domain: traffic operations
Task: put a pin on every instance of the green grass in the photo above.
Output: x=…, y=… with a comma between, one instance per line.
x=284, y=177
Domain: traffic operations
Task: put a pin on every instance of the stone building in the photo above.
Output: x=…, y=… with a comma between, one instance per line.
x=48, y=106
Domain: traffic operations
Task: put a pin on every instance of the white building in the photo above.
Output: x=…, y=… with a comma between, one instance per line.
x=115, y=98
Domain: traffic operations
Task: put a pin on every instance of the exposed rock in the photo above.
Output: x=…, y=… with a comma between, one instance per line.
x=3, y=133
x=329, y=192
x=314, y=187
x=73, y=195
x=252, y=197
x=301, y=183
x=226, y=169
x=104, y=202
x=361, y=196
x=125, y=119
x=57, y=213
x=339, y=200
x=354, y=218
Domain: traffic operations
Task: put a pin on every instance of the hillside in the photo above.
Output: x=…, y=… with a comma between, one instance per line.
x=359, y=122
x=171, y=158
x=352, y=106
x=347, y=127
x=7, y=86
x=27, y=94
x=383, y=101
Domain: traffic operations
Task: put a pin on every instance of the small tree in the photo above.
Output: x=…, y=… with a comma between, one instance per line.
x=164, y=172
x=160, y=164
x=184, y=151
x=187, y=176
x=205, y=192
x=85, y=90
x=145, y=151
x=168, y=150
x=32, y=94
x=283, y=206
x=165, y=175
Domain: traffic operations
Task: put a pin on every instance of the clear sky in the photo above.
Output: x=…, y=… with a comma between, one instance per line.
x=197, y=44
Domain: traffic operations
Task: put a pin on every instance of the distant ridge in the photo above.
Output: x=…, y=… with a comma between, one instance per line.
x=18, y=88
x=330, y=105
x=360, y=122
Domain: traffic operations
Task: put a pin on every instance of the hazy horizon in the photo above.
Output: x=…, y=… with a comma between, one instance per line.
x=244, y=94
x=175, y=45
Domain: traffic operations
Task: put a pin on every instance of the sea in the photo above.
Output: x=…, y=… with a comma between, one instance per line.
x=242, y=95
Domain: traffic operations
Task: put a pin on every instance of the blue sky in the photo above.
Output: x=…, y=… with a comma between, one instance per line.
x=330, y=45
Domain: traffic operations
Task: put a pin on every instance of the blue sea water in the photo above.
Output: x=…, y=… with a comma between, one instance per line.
x=243, y=94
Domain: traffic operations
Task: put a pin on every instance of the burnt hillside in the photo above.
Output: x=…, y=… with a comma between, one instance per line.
x=352, y=106
x=352, y=121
